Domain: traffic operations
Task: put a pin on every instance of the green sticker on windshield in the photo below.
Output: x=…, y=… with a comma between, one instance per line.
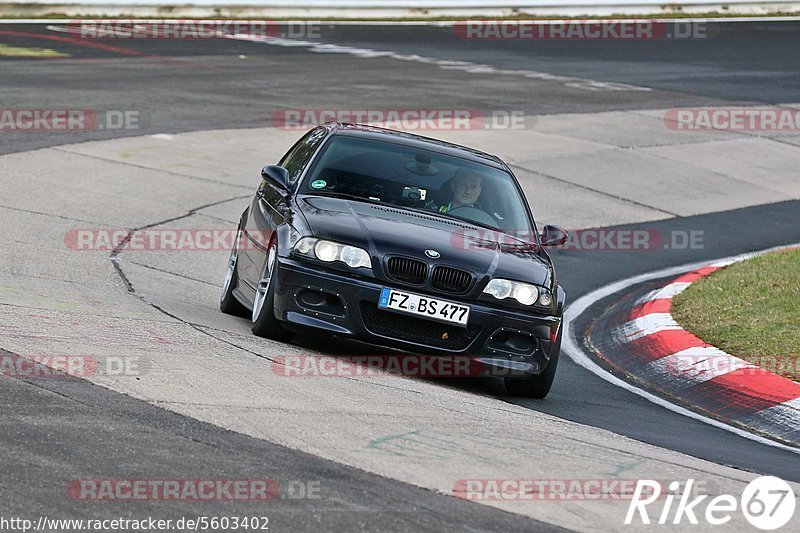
x=319, y=184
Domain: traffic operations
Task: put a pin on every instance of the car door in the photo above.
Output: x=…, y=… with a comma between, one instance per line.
x=270, y=206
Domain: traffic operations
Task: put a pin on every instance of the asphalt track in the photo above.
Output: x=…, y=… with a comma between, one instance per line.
x=194, y=85
x=54, y=427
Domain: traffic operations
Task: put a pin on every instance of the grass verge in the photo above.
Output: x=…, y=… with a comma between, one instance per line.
x=16, y=51
x=749, y=309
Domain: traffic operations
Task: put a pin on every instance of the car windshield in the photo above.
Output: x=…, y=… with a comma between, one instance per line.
x=410, y=177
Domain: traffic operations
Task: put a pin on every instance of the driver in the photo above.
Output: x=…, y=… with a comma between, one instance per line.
x=466, y=187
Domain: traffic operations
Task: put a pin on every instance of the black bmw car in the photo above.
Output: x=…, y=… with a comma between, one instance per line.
x=403, y=241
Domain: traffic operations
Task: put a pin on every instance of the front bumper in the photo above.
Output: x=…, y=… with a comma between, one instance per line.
x=342, y=304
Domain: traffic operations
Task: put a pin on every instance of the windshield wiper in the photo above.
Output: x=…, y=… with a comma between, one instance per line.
x=467, y=220
x=348, y=196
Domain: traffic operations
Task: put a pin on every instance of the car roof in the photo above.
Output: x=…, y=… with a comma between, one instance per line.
x=414, y=141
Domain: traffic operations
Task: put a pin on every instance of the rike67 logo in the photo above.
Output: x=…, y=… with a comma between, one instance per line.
x=767, y=503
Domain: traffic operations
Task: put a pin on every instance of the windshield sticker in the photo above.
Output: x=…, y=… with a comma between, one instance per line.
x=319, y=184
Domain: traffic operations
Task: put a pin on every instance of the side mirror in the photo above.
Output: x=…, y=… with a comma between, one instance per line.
x=276, y=175
x=554, y=236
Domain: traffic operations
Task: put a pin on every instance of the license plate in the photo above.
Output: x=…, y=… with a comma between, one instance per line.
x=424, y=306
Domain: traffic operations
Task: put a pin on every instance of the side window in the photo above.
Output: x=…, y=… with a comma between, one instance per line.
x=296, y=159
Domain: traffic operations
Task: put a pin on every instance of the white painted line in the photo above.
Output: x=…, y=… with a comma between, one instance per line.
x=645, y=325
x=466, y=66
x=667, y=291
x=696, y=365
x=786, y=414
x=721, y=264
x=448, y=64
x=576, y=353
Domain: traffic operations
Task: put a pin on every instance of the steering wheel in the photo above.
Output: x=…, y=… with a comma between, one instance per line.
x=474, y=214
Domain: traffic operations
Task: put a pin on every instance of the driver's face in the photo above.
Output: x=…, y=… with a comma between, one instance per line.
x=466, y=191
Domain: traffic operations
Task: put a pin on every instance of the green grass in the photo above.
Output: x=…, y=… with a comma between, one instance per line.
x=749, y=309
x=16, y=51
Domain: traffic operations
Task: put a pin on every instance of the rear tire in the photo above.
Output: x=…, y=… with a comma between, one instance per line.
x=536, y=386
x=264, y=322
x=228, y=303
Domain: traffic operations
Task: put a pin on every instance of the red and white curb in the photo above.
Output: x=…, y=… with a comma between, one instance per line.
x=674, y=354
x=641, y=338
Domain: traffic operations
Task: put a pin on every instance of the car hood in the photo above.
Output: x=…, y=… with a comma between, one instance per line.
x=384, y=230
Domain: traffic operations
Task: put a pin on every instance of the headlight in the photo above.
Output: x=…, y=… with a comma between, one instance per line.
x=326, y=251
x=500, y=288
x=304, y=246
x=524, y=293
x=330, y=251
x=354, y=257
x=545, y=298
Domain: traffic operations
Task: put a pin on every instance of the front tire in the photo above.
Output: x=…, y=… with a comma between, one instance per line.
x=264, y=322
x=537, y=386
x=227, y=302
